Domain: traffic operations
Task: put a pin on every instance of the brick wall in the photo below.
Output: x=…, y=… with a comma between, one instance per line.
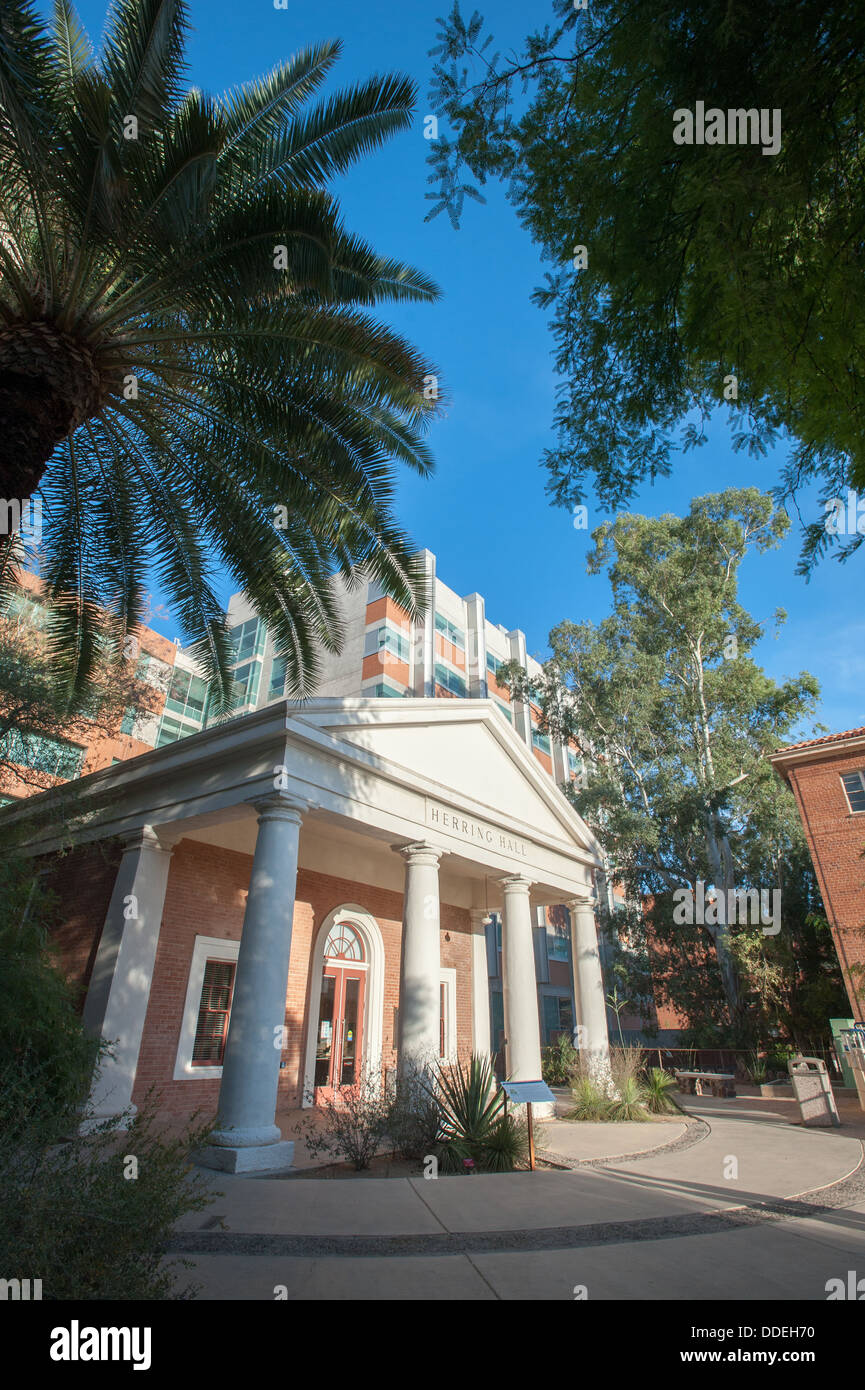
x=82, y=883
x=836, y=839
x=206, y=896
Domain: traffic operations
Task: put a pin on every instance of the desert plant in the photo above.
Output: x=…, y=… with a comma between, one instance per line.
x=351, y=1125
x=658, y=1088
x=506, y=1146
x=473, y=1122
x=756, y=1069
x=626, y=1064
x=627, y=1103
x=558, y=1062
x=414, y=1116
x=590, y=1102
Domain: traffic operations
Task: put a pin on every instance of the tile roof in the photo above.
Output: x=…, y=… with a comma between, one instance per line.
x=817, y=742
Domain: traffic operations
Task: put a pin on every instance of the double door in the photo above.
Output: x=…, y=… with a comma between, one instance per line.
x=339, y=1047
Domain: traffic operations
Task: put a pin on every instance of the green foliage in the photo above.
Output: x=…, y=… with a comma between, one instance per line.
x=190, y=367
x=703, y=261
x=627, y=1103
x=351, y=1125
x=46, y=1059
x=658, y=1088
x=90, y=1215
x=756, y=1068
x=590, y=1101
x=473, y=1124
x=676, y=719
x=414, y=1116
x=558, y=1062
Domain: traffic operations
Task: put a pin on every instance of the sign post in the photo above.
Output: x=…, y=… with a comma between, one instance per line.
x=528, y=1093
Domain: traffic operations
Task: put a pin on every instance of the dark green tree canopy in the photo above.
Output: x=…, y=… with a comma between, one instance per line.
x=189, y=369
x=703, y=262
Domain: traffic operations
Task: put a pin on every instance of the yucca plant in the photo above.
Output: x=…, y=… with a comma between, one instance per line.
x=658, y=1088
x=473, y=1124
x=189, y=373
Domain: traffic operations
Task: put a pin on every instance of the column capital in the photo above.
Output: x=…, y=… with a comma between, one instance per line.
x=277, y=806
x=150, y=837
x=516, y=883
x=582, y=901
x=419, y=852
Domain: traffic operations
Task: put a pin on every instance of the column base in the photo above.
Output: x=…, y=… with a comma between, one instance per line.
x=259, y=1158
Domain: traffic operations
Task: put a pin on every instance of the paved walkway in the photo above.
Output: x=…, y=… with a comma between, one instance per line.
x=739, y=1203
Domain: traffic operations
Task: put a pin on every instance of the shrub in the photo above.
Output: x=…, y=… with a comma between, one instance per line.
x=626, y=1066
x=658, y=1088
x=506, y=1146
x=88, y=1214
x=756, y=1069
x=559, y=1062
x=627, y=1104
x=590, y=1101
x=414, y=1116
x=473, y=1123
x=352, y=1126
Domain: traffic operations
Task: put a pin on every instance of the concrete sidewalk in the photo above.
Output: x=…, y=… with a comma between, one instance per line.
x=708, y=1220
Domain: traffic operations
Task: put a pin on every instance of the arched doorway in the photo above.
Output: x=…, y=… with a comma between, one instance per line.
x=339, y=1038
x=346, y=996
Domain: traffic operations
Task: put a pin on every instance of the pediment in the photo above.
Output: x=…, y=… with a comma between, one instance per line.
x=469, y=760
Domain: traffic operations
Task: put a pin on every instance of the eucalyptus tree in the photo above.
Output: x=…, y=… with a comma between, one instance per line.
x=190, y=370
x=678, y=716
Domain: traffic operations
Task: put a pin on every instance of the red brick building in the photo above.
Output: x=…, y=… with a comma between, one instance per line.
x=298, y=898
x=827, y=776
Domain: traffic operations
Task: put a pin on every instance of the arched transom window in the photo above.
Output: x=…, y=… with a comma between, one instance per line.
x=343, y=943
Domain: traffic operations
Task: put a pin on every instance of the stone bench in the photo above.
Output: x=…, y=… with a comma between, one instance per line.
x=722, y=1084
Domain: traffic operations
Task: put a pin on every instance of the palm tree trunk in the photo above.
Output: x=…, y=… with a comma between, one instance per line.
x=32, y=422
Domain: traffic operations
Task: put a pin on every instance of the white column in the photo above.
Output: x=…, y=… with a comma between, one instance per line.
x=246, y=1137
x=119, y=991
x=481, y=1044
x=593, y=1037
x=420, y=973
x=522, y=1022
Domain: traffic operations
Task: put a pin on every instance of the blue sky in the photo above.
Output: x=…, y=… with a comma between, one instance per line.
x=485, y=513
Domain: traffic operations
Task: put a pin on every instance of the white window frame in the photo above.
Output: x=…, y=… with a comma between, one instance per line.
x=206, y=948
x=857, y=772
x=448, y=977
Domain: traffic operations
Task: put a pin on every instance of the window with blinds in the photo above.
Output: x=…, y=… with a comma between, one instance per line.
x=213, y=1013
x=854, y=785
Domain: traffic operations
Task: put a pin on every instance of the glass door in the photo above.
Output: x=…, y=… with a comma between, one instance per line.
x=339, y=1049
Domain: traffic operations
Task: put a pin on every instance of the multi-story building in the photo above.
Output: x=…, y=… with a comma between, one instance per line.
x=453, y=652
x=827, y=776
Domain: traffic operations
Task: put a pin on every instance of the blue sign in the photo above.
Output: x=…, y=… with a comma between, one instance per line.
x=527, y=1092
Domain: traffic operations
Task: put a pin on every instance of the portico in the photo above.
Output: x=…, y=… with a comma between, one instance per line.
x=300, y=902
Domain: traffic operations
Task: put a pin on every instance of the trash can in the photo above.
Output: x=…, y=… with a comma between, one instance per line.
x=856, y=1058
x=812, y=1090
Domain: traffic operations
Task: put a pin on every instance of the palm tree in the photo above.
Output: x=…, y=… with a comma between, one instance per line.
x=188, y=371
